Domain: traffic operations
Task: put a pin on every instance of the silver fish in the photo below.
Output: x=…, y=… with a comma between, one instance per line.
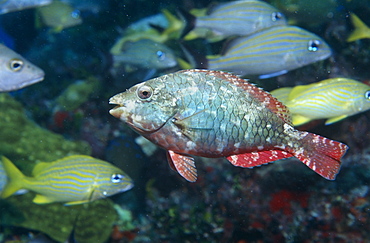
x=7, y=6
x=146, y=53
x=16, y=72
x=271, y=52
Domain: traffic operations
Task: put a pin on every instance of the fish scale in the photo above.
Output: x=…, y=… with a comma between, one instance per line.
x=216, y=114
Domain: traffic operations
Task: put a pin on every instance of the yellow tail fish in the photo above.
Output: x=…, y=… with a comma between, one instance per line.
x=332, y=99
x=74, y=179
x=361, y=31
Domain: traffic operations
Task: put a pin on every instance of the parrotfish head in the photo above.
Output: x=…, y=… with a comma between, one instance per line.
x=111, y=182
x=145, y=107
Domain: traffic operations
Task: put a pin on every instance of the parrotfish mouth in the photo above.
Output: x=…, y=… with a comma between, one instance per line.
x=117, y=111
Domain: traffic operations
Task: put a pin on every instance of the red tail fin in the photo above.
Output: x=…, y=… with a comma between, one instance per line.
x=321, y=154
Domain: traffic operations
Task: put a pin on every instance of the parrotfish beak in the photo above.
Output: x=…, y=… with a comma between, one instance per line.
x=116, y=111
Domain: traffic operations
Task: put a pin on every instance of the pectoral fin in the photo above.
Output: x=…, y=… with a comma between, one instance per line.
x=184, y=165
x=41, y=199
x=189, y=124
x=335, y=119
x=299, y=120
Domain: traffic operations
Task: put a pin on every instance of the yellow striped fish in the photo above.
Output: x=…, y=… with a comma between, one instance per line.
x=271, y=52
x=332, y=99
x=74, y=179
x=235, y=18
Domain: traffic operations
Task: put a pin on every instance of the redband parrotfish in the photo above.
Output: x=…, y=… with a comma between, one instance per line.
x=271, y=52
x=332, y=99
x=234, y=18
x=16, y=72
x=74, y=179
x=217, y=114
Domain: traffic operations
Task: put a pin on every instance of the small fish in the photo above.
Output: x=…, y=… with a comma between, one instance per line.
x=7, y=6
x=236, y=18
x=16, y=72
x=271, y=52
x=58, y=16
x=74, y=179
x=217, y=114
x=361, y=31
x=145, y=53
x=333, y=99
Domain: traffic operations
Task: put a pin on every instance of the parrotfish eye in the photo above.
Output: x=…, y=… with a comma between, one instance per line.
x=161, y=55
x=367, y=95
x=276, y=16
x=144, y=92
x=16, y=65
x=117, y=178
x=313, y=45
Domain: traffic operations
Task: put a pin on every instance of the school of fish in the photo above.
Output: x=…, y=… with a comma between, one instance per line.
x=216, y=114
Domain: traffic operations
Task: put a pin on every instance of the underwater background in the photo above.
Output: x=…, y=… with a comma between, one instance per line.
x=91, y=50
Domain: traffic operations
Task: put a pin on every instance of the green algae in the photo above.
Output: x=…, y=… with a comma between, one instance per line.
x=26, y=143
x=90, y=222
x=22, y=140
x=77, y=93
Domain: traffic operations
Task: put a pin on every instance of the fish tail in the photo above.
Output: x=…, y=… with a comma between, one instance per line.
x=321, y=154
x=15, y=178
x=189, y=20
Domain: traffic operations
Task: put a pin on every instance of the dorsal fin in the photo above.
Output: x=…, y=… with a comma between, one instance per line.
x=259, y=94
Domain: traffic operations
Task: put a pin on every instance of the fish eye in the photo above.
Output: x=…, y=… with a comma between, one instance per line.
x=76, y=14
x=367, y=95
x=117, y=178
x=16, y=65
x=276, y=16
x=313, y=45
x=161, y=55
x=144, y=92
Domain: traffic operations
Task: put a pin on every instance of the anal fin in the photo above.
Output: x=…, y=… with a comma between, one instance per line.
x=184, y=165
x=257, y=158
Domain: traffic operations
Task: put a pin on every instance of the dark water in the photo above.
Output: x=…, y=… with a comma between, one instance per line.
x=279, y=202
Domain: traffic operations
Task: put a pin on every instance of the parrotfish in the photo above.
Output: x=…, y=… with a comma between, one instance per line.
x=74, y=179
x=361, y=31
x=216, y=114
x=235, y=18
x=145, y=53
x=333, y=99
x=16, y=72
x=7, y=6
x=271, y=52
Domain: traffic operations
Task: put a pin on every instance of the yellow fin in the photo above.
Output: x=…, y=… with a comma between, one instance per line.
x=41, y=199
x=296, y=91
x=76, y=202
x=174, y=28
x=213, y=56
x=16, y=178
x=361, y=29
x=282, y=94
x=335, y=119
x=183, y=64
x=39, y=167
x=299, y=120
